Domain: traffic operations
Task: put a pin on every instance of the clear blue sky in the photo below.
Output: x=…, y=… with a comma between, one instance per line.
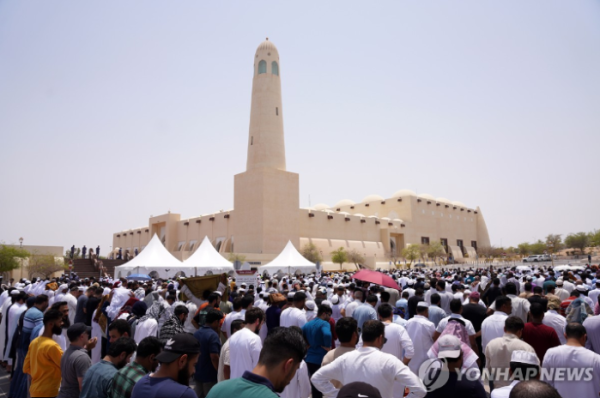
x=117, y=110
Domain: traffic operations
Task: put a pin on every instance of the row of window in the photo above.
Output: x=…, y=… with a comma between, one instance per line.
x=444, y=242
x=262, y=67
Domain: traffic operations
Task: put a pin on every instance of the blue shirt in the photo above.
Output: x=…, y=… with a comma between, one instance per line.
x=160, y=387
x=403, y=303
x=364, y=312
x=97, y=380
x=318, y=334
x=209, y=344
x=436, y=314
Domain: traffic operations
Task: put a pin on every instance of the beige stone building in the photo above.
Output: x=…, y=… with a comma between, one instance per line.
x=267, y=212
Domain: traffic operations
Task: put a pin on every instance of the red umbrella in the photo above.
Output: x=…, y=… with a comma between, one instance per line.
x=366, y=275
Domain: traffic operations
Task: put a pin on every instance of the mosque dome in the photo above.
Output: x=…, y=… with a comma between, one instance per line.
x=459, y=204
x=397, y=220
x=267, y=45
x=372, y=198
x=404, y=192
x=345, y=202
x=443, y=200
x=426, y=196
x=358, y=215
x=321, y=206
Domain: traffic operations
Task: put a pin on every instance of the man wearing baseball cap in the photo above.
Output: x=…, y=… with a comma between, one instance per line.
x=449, y=350
x=177, y=361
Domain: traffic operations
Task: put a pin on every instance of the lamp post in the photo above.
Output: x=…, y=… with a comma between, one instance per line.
x=21, y=247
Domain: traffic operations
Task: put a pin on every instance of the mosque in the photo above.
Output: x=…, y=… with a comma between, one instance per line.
x=267, y=211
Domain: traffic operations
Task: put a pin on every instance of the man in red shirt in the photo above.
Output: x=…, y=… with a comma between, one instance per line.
x=538, y=335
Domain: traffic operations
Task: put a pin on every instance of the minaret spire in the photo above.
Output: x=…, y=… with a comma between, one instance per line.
x=266, y=146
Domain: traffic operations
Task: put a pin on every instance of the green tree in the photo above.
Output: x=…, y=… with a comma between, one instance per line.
x=339, y=256
x=538, y=247
x=310, y=252
x=578, y=241
x=44, y=265
x=435, y=250
x=411, y=253
x=524, y=249
x=11, y=257
x=595, y=238
x=355, y=257
x=554, y=243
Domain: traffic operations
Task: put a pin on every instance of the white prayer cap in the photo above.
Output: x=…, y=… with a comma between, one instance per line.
x=559, y=282
x=410, y=282
x=423, y=304
x=218, y=292
x=291, y=295
x=526, y=357
x=15, y=292
x=581, y=288
x=335, y=299
x=63, y=286
x=81, y=288
x=310, y=305
x=467, y=291
x=449, y=346
x=326, y=302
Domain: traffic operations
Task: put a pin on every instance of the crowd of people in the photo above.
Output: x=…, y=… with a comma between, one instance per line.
x=431, y=333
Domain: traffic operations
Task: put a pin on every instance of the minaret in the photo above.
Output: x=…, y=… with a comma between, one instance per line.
x=266, y=146
x=266, y=197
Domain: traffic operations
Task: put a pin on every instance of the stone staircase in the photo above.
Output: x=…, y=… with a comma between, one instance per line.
x=85, y=267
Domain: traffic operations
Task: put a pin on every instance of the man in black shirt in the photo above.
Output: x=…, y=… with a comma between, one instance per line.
x=537, y=298
x=494, y=291
x=475, y=313
x=413, y=301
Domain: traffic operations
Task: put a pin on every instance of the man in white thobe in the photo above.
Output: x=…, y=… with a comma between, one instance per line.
x=571, y=358
x=245, y=345
x=294, y=315
x=13, y=319
x=420, y=330
x=556, y=321
x=560, y=291
x=71, y=299
x=493, y=326
x=521, y=363
x=370, y=365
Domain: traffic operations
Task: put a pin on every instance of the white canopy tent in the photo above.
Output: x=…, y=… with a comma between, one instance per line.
x=289, y=261
x=155, y=261
x=206, y=259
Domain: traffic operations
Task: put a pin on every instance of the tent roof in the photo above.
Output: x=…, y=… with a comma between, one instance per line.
x=154, y=257
x=289, y=260
x=206, y=258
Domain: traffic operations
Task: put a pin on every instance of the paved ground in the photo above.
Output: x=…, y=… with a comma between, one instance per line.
x=4, y=383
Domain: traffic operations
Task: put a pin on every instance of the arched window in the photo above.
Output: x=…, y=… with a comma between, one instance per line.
x=275, y=68
x=262, y=67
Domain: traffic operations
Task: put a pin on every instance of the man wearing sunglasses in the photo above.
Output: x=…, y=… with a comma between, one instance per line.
x=370, y=365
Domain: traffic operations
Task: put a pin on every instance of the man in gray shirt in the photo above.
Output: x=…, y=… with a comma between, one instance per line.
x=75, y=362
